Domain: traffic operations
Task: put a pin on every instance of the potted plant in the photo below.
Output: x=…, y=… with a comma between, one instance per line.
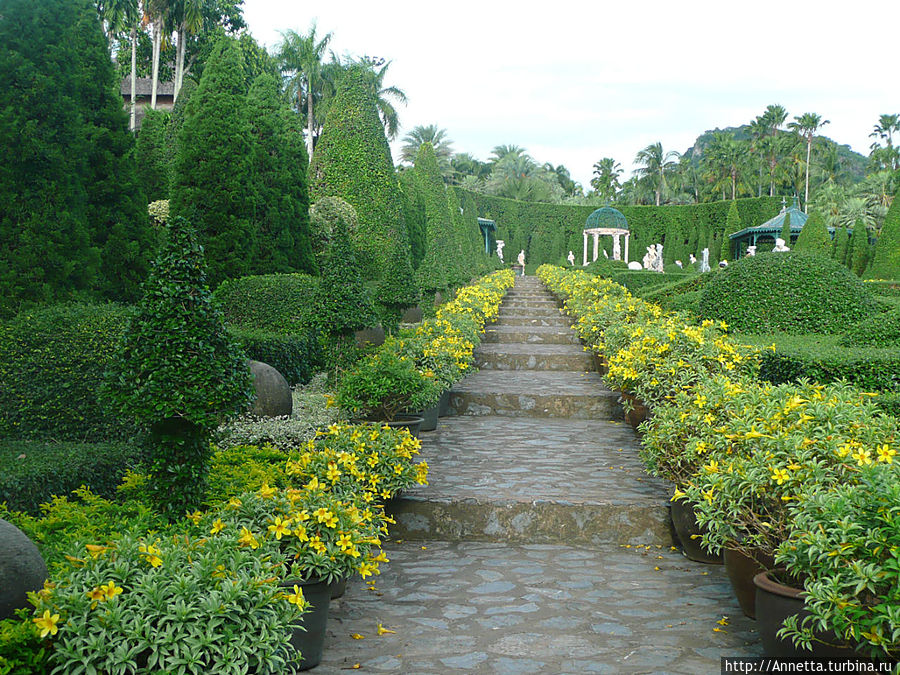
x=141, y=605
x=843, y=547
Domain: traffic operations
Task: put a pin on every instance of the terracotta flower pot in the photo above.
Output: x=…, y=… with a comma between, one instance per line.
x=638, y=412
x=741, y=569
x=684, y=520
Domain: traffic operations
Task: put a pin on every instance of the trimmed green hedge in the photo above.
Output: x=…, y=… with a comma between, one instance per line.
x=880, y=330
x=891, y=288
x=788, y=292
x=33, y=471
x=886, y=262
x=280, y=303
x=637, y=281
x=297, y=356
x=682, y=229
x=52, y=365
x=821, y=358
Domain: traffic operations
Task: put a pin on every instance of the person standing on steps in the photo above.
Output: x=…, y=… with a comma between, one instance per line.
x=522, y=261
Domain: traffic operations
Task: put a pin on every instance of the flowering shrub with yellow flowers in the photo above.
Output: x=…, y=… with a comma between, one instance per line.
x=374, y=462
x=845, y=546
x=174, y=604
x=323, y=535
x=775, y=445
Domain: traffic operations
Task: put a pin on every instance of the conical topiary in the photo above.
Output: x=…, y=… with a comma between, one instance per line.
x=438, y=267
x=857, y=255
x=840, y=244
x=814, y=237
x=352, y=160
x=886, y=263
x=732, y=225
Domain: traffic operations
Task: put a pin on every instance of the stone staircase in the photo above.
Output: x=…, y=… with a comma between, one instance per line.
x=535, y=450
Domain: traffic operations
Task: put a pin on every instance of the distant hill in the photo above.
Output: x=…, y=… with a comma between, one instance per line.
x=851, y=161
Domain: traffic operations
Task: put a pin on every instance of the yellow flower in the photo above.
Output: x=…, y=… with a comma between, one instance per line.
x=712, y=467
x=333, y=472
x=97, y=595
x=96, y=550
x=47, y=623
x=325, y=516
x=217, y=526
x=862, y=456
x=195, y=517
x=280, y=527
x=300, y=533
x=234, y=503
x=780, y=476
x=247, y=539
x=885, y=454
x=267, y=492
x=111, y=590
x=151, y=553
x=316, y=543
x=367, y=569
x=296, y=598
x=313, y=484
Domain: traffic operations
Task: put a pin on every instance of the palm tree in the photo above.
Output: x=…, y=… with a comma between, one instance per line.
x=725, y=158
x=119, y=15
x=771, y=120
x=300, y=60
x=155, y=13
x=887, y=126
x=654, y=164
x=501, y=151
x=383, y=96
x=443, y=146
x=606, y=178
x=806, y=126
x=188, y=18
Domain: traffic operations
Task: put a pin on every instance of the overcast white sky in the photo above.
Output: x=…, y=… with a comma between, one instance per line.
x=573, y=82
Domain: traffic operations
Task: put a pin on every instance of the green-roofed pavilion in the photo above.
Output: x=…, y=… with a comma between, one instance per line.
x=606, y=221
x=769, y=231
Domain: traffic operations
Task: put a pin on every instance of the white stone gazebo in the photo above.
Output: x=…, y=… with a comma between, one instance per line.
x=606, y=221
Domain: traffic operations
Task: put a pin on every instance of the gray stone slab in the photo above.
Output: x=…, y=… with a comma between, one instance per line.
x=500, y=333
x=528, y=356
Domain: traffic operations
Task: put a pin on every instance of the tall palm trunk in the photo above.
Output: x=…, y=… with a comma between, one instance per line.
x=157, y=46
x=808, y=150
x=733, y=183
x=310, y=120
x=179, y=59
x=133, y=122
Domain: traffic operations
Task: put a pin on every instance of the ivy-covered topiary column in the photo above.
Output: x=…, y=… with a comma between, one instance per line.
x=352, y=160
x=886, y=263
x=178, y=373
x=438, y=267
x=814, y=237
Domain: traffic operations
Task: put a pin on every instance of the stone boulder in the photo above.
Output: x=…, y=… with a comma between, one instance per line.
x=273, y=393
x=22, y=569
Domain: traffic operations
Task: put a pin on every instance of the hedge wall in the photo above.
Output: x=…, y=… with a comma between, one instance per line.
x=279, y=303
x=540, y=228
x=297, y=356
x=52, y=365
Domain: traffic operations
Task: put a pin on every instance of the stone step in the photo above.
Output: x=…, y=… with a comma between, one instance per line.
x=573, y=481
x=530, y=311
x=517, y=393
x=530, y=334
x=558, y=321
x=528, y=303
x=524, y=356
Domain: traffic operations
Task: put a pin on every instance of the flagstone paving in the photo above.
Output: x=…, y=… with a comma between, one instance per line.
x=540, y=544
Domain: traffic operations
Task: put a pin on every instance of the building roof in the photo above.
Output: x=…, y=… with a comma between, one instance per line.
x=606, y=217
x=774, y=225
x=144, y=85
x=487, y=224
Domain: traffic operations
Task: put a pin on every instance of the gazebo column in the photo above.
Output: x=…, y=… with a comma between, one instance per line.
x=596, y=244
x=584, y=260
x=617, y=247
x=627, y=235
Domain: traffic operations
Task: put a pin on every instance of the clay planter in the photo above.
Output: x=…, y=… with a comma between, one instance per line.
x=430, y=417
x=741, y=569
x=638, y=412
x=444, y=403
x=338, y=588
x=774, y=603
x=309, y=637
x=689, y=532
x=411, y=422
x=601, y=365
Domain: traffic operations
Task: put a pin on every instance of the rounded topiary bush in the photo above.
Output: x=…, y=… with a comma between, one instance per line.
x=879, y=330
x=789, y=292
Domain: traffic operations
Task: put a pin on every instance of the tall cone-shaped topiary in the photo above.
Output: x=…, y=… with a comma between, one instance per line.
x=438, y=268
x=840, y=245
x=212, y=184
x=886, y=264
x=178, y=373
x=858, y=252
x=814, y=237
x=732, y=225
x=352, y=160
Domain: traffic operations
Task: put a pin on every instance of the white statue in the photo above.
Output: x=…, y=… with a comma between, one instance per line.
x=751, y=250
x=648, y=258
x=522, y=257
x=679, y=264
x=659, y=264
x=605, y=254
x=571, y=258
x=723, y=264
x=635, y=266
x=704, y=264
x=617, y=248
x=780, y=245
x=500, y=245
x=693, y=259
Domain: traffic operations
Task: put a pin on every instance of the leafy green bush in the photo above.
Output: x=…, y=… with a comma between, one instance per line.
x=880, y=330
x=821, y=358
x=790, y=292
x=440, y=266
x=636, y=281
x=22, y=652
x=52, y=364
x=889, y=288
x=179, y=373
x=886, y=263
x=33, y=471
x=814, y=237
x=280, y=303
x=296, y=355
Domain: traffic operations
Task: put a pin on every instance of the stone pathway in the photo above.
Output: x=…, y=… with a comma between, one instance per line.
x=540, y=545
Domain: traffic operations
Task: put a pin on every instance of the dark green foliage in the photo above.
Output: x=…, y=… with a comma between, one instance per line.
x=603, y=267
x=439, y=268
x=673, y=287
x=786, y=229
x=342, y=302
x=353, y=161
x=886, y=263
x=179, y=374
x=858, y=250
x=213, y=166
x=396, y=292
x=297, y=356
x=840, y=245
x=814, y=237
x=821, y=358
x=413, y=215
x=73, y=219
x=278, y=303
x=278, y=195
x=52, y=364
x=153, y=155
x=887, y=288
x=635, y=281
x=33, y=471
x=878, y=330
x=790, y=292
x=733, y=224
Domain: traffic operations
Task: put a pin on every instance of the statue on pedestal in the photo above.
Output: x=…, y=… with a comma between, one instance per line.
x=751, y=250
x=571, y=258
x=704, y=264
x=500, y=245
x=780, y=245
x=521, y=258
